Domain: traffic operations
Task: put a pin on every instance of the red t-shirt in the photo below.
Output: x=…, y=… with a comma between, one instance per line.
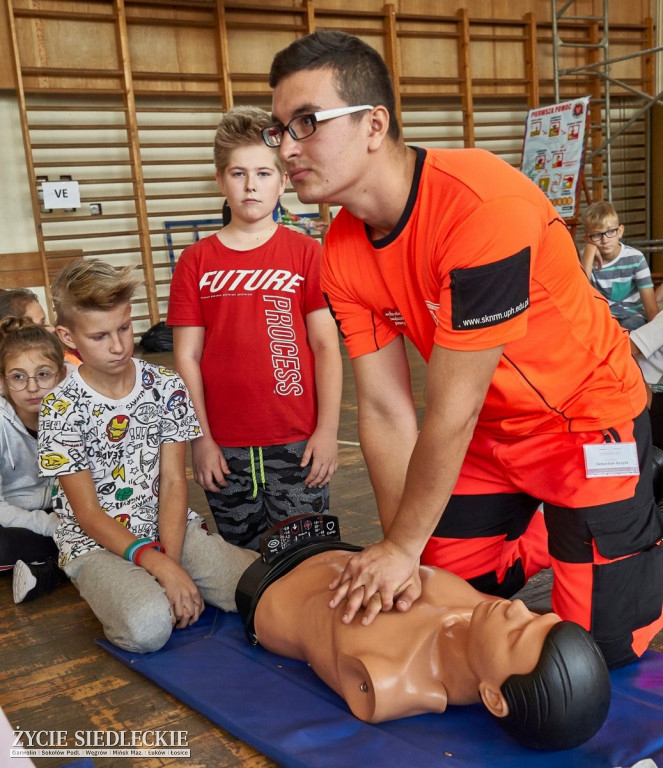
x=480, y=258
x=257, y=366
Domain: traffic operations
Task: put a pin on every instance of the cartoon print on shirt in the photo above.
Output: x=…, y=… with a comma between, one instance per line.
x=53, y=460
x=51, y=403
x=146, y=412
x=117, y=428
x=106, y=489
x=148, y=379
x=119, y=443
x=168, y=428
x=177, y=404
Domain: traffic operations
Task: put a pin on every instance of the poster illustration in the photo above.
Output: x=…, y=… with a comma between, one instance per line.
x=554, y=150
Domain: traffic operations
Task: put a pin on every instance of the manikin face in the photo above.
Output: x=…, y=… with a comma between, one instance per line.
x=506, y=638
x=104, y=339
x=328, y=166
x=37, y=315
x=33, y=363
x=251, y=183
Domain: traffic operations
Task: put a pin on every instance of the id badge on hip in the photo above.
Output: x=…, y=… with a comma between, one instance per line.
x=611, y=459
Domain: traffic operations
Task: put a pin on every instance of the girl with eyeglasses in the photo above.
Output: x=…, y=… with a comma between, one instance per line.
x=22, y=302
x=31, y=364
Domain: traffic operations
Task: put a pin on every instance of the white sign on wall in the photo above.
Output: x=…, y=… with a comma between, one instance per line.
x=554, y=151
x=61, y=194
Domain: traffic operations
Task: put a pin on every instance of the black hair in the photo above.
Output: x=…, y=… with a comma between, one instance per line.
x=361, y=75
x=565, y=699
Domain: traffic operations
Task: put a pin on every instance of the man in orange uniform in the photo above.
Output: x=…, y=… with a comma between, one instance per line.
x=531, y=392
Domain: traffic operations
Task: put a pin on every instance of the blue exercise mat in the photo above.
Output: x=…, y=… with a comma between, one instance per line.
x=281, y=708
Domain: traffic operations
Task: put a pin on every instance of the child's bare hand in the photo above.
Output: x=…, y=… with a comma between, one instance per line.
x=322, y=454
x=184, y=597
x=209, y=464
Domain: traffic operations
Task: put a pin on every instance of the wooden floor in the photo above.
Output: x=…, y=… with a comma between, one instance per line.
x=54, y=677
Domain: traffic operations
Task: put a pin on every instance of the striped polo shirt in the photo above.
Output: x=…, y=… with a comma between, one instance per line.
x=621, y=281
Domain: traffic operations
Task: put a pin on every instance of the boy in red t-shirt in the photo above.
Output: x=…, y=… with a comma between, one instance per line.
x=257, y=348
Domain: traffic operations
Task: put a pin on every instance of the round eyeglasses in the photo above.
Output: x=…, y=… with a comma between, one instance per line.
x=596, y=237
x=17, y=381
x=303, y=126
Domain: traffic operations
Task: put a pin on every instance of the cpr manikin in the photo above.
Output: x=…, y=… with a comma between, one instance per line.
x=454, y=646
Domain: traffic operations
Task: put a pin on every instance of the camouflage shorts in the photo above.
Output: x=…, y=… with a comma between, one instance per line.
x=265, y=486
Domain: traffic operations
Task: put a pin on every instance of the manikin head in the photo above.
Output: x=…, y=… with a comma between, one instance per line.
x=565, y=700
x=557, y=692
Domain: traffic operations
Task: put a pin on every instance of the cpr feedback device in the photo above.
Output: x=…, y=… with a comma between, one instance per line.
x=282, y=548
x=296, y=531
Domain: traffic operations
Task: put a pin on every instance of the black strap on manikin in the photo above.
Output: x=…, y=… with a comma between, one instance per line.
x=282, y=548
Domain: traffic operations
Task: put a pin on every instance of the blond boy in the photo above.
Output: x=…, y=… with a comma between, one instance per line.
x=114, y=434
x=618, y=271
x=257, y=347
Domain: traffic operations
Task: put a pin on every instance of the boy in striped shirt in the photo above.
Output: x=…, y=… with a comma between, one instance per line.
x=618, y=271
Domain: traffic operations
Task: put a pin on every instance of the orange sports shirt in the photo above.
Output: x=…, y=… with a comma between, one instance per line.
x=480, y=258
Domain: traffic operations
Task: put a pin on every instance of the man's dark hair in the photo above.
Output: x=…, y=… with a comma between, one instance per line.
x=360, y=73
x=565, y=699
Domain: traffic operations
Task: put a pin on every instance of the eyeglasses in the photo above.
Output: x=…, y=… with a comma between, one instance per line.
x=303, y=126
x=17, y=382
x=595, y=237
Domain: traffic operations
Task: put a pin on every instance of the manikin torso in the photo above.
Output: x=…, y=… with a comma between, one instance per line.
x=402, y=664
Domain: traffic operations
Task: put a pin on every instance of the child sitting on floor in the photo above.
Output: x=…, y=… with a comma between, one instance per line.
x=31, y=364
x=114, y=434
x=618, y=271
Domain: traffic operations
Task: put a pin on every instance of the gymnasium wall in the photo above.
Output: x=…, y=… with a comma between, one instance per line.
x=124, y=96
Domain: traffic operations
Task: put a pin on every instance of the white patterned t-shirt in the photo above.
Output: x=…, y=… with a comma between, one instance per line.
x=119, y=441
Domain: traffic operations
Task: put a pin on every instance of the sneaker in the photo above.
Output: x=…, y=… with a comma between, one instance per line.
x=34, y=579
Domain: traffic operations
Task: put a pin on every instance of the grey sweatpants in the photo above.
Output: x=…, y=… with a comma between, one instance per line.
x=131, y=604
